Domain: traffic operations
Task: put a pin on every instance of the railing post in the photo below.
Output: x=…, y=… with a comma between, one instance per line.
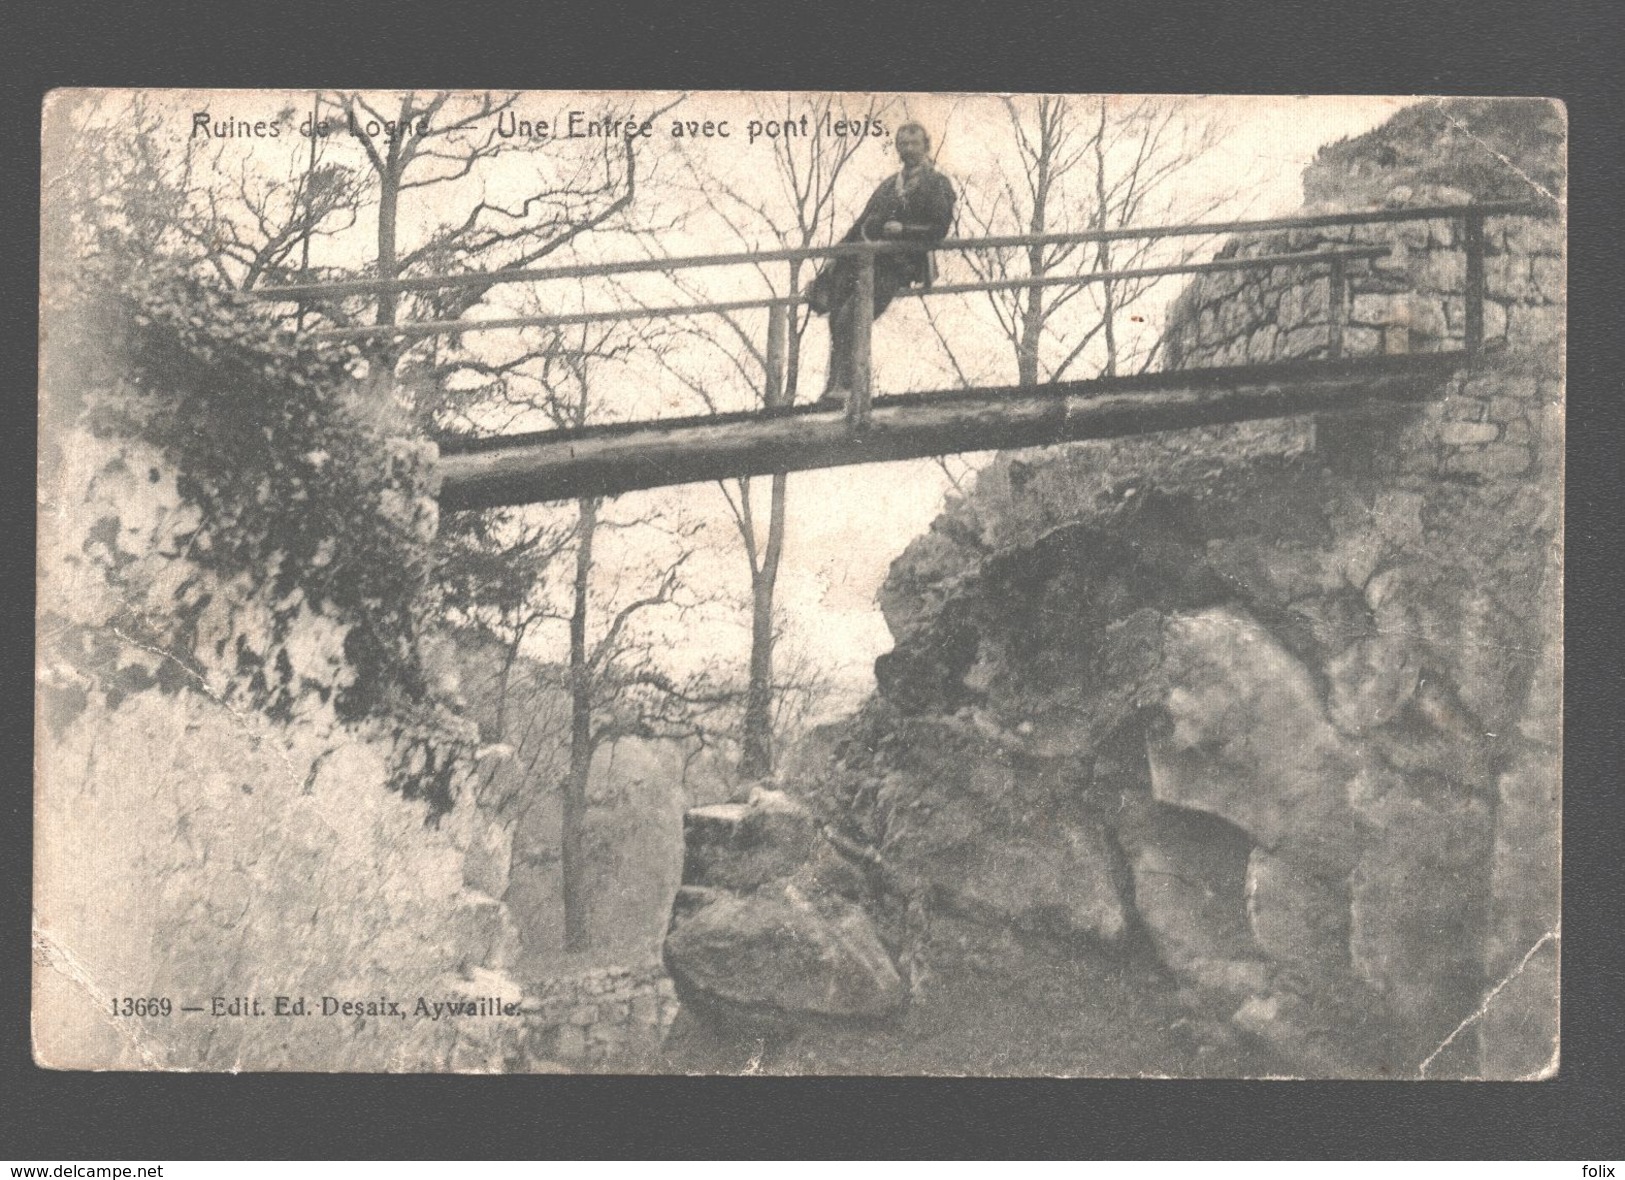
x=863, y=318
x=1473, y=241
x=773, y=362
x=1337, y=309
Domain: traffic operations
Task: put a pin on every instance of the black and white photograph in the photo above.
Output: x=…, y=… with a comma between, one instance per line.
x=788, y=583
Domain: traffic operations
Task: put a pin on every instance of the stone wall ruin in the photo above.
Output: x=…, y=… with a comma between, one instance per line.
x=1289, y=718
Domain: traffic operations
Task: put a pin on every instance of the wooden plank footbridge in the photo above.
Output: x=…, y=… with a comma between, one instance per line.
x=609, y=459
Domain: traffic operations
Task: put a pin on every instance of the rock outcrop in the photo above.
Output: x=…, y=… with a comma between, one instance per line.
x=765, y=935
x=1275, y=706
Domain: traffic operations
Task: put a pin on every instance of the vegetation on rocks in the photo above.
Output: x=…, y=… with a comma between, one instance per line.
x=249, y=747
x=255, y=518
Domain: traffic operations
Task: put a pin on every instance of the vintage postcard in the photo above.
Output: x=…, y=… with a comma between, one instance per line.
x=790, y=583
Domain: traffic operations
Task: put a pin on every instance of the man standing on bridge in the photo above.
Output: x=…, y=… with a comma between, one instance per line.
x=915, y=205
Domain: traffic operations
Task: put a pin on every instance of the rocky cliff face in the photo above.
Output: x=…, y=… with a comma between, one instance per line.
x=1241, y=743
x=186, y=841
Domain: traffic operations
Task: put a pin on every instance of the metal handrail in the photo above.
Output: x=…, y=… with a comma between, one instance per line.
x=859, y=306
x=424, y=328
x=843, y=249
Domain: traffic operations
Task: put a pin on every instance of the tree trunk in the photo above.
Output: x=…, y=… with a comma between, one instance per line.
x=1103, y=256
x=756, y=758
x=778, y=389
x=383, y=355
x=1032, y=315
x=1032, y=331
x=389, y=196
x=573, y=858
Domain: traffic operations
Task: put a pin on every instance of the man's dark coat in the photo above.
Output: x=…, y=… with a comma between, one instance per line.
x=924, y=206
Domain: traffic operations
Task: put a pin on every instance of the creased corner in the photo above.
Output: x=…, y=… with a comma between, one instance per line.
x=1484, y=1006
x=57, y=958
x=1512, y=166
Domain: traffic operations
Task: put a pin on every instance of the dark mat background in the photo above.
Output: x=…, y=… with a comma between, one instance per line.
x=1566, y=50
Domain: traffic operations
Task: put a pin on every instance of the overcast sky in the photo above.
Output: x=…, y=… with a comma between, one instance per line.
x=846, y=525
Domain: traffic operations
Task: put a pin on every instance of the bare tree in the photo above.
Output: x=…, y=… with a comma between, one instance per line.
x=240, y=219
x=417, y=142
x=252, y=225
x=1079, y=164
x=616, y=686
x=797, y=206
x=437, y=142
x=491, y=572
x=440, y=152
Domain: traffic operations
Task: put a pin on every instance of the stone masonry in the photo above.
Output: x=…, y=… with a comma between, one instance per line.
x=613, y=1017
x=1289, y=718
x=1498, y=428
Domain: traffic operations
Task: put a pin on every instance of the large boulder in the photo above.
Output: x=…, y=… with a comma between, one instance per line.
x=766, y=928
x=1249, y=740
x=1189, y=872
x=781, y=951
x=1418, y=901
x=1295, y=916
x=966, y=814
x=743, y=845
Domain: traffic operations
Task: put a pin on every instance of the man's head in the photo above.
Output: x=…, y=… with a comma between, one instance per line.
x=913, y=144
